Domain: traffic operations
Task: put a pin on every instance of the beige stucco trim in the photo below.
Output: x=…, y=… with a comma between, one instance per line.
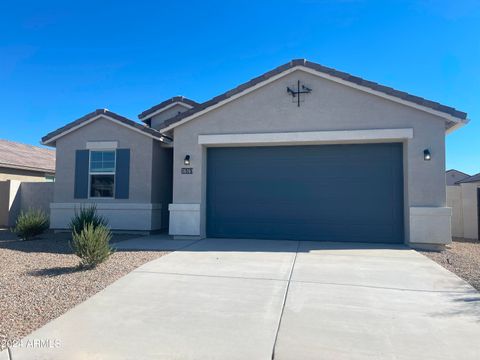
x=159, y=111
x=107, y=206
x=120, y=216
x=184, y=207
x=96, y=145
x=430, y=211
x=184, y=219
x=430, y=225
x=96, y=118
x=306, y=137
x=440, y=114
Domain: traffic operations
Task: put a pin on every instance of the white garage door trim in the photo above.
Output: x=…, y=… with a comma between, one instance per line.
x=306, y=137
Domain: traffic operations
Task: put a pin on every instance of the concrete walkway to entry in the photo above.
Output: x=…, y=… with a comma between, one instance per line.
x=262, y=299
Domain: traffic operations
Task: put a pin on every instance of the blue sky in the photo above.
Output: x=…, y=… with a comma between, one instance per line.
x=62, y=59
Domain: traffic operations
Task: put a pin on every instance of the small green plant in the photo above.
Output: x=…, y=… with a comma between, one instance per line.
x=86, y=215
x=31, y=223
x=91, y=244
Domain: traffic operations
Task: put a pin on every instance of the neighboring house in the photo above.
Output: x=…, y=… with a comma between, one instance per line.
x=453, y=176
x=302, y=152
x=26, y=162
x=23, y=169
x=463, y=196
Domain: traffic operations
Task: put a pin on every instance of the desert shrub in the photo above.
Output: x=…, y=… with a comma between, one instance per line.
x=91, y=244
x=86, y=215
x=31, y=223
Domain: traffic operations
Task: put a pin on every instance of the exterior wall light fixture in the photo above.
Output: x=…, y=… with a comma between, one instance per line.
x=426, y=155
x=186, y=161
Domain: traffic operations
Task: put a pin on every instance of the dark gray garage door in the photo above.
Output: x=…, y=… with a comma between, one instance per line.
x=328, y=192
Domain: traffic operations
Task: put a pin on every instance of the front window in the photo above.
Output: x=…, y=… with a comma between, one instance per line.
x=102, y=174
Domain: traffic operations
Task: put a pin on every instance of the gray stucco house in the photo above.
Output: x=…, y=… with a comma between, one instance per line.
x=301, y=152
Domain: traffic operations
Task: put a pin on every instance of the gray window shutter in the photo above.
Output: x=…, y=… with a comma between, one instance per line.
x=122, y=174
x=81, y=174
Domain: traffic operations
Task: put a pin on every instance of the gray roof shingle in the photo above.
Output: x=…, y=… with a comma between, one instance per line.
x=470, y=179
x=166, y=103
x=329, y=71
x=28, y=157
x=155, y=133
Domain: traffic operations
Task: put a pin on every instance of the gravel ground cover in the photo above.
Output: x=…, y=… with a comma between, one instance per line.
x=40, y=280
x=462, y=257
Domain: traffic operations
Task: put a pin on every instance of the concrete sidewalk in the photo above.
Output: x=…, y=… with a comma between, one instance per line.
x=251, y=299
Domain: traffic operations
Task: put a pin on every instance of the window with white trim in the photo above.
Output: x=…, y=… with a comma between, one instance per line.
x=102, y=174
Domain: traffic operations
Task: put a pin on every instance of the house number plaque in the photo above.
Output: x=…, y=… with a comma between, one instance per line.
x=187, y=171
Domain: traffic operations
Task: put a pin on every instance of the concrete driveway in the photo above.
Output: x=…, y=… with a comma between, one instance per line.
x=247, y=299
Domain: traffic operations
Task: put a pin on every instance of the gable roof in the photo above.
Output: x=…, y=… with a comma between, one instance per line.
x=452, y=115
x=84, y=120
x=452, y=177
x=473, y=178
x=26, y=157
x=166, y=104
